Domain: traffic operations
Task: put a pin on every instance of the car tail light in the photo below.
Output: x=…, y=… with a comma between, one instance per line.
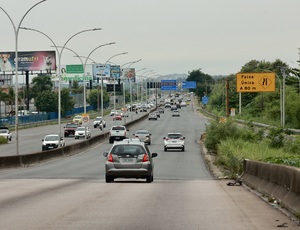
x=136, y=136
x=167, y=138
x=145, y=158
x=181, y=138
x=110, y=158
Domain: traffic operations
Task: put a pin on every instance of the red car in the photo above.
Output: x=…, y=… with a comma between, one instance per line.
x=117, y=117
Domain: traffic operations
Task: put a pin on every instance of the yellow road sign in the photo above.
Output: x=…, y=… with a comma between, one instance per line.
x=255, y=82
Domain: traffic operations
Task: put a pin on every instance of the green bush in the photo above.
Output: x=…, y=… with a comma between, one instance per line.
x=216, y=132
x=3, y=140
x=276, y=138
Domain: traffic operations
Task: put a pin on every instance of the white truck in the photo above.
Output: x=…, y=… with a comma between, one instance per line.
x=118, y=133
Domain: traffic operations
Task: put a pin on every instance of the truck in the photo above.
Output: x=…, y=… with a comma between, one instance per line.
x=69, y=129
x=117, y=132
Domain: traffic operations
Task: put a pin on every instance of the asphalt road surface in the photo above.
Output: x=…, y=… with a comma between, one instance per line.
x=71, y=193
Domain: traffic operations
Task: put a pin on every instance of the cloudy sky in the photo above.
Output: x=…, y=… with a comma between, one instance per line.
x=170, y=36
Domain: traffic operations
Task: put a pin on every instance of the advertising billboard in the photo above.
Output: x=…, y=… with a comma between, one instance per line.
x=101, y=70
x=129, y=74
x=115, y=71
x=28, y=61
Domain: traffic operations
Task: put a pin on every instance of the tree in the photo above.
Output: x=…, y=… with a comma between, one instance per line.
x=203, y=81
x=67, y=102
x=40, y=83
x=3, y=97
x=47, y=101
x=95, y=95
x=76, y=88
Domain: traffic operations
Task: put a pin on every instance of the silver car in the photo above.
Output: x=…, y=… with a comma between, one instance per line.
x=152, y=116
x=129, y=158
x=82, y=131
x=143, y=135
x=174, y=141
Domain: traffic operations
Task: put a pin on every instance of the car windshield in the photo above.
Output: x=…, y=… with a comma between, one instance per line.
x=80, y=129
x=77, y=117
x=98, y=119
x=51, y=138
x=142, y=132
x=71, y=125
x=174, y=136
x=128, y=149
x=3, y=131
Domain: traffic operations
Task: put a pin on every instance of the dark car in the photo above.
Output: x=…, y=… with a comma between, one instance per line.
x=129, y=158
x=69, y=129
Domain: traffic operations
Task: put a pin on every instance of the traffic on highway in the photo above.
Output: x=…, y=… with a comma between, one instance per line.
x=79, y=192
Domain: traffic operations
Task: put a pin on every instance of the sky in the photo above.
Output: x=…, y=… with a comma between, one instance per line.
x=170, y=36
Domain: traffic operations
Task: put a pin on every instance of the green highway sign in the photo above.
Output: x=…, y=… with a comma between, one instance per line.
x=74, y=69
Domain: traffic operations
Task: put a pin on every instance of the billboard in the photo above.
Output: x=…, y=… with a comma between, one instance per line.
x=101, y=70
x=76, y=72
x=28, y=61
x=129, y=74
x=115, y=71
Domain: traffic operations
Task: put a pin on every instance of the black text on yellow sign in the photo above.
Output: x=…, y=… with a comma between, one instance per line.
x=255, y=82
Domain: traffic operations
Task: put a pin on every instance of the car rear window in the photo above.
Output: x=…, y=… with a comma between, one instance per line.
x=128, y=149
x=118, y=128
x=174, y=136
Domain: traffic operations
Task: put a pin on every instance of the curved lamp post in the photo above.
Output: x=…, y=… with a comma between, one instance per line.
x=16, y=31
x=114, y=86
x=130, y=64
x=59, y=65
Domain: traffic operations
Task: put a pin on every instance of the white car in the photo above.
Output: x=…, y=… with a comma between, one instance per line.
x=99, y=121
x=4, y=132
x=52, y=141
x=82, y=132
x=174, y=141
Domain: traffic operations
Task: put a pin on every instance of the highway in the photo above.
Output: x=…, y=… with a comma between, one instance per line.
x=30, y=140
x=71, y=193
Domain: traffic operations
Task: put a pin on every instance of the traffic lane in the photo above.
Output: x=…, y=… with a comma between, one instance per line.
x=165, y=204
x=168, y=165
x=176, y=164
x=30, y=140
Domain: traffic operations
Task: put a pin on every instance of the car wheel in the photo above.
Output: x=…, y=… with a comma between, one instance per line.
x=108, y=179
x=149, y=179
x=95, y=126
x=111, y=140
x=165, y=149
x=149, y=143
x=182, y=149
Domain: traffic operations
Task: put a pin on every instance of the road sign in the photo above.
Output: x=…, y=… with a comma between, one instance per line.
x=168, y=85
x=255, y=82
x=74, y=69
x=189, y=85
x=85, y=119
x=205, y=100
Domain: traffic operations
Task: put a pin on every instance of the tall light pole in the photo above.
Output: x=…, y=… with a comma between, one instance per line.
x=84, y=88
x=130, y=64
x=115, y=86
x=16, y=31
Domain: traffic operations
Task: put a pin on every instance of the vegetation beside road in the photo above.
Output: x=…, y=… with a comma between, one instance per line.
x=231, y=144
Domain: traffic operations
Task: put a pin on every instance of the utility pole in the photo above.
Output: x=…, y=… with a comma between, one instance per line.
x=227, y=97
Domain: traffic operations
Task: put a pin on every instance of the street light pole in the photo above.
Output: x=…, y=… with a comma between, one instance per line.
x=130, y=80
x=84, y=96
x=16, y=31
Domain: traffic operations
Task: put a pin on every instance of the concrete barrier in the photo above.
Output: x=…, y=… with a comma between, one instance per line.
x=279, y=182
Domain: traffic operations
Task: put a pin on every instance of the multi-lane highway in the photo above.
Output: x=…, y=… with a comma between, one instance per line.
x=30, y=140
x=71, y=193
